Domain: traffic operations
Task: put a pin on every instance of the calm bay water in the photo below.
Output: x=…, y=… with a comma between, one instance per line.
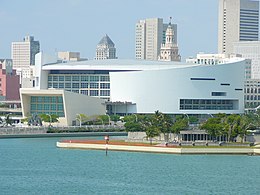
x=36, y=166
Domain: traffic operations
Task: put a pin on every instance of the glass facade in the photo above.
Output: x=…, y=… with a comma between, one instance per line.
x=208, y=104
x=47, y=105
x=97, y=85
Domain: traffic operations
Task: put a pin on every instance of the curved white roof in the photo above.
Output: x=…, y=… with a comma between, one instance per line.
x=116, y=64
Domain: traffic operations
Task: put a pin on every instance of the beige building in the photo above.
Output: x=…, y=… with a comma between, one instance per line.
x=169, y=50
x=238, y=21
x=149, y=35
x=69, y=56
x=250, y=50
x=23, y=56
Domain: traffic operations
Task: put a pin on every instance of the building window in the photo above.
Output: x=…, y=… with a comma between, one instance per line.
x=104, y=78
x=67, y=78
x=61, y=78
x=84, y=78
x=75, y=78
x=94, y=78
x=104, y=85
x=202, y=79
x=104, y=93
x=84, y=85
x=93, y=92
x=218, y=93
x=61, y=85
x=93, y=85
x=85, y=92
x=67, y=85
x=75, y=85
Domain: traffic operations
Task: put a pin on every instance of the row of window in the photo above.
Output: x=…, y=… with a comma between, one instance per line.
x=78, y=78
x=252, y=97
x=104, y=93
x=206, y=104
x=79, y=85
x=47, y=104
x=46, y=99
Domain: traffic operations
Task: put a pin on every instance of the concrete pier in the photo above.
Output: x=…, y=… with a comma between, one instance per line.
x=155, y=149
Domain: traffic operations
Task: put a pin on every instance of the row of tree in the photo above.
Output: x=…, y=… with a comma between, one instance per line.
x=231, y=126
x=155, y=124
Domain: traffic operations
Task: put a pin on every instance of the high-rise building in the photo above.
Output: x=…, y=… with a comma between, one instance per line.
x=238, y=21
x=250, y=50
x=105, y=49
x=23, y=56
x=149, y=35
x=169, y=50
x=23, y=53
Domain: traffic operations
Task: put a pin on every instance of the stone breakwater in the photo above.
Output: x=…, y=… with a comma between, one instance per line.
x=157, y=149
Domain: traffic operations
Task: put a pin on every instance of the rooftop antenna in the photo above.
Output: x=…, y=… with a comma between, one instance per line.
x=170, y=21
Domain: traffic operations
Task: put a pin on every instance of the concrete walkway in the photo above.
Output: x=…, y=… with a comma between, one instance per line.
x=154, y=149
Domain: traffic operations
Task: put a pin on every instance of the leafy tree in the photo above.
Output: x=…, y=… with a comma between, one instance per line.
x=133, y=126
x=214, y=126
x=151, y=132
x=103, y=118
x=232, y=126
x=8, y=120
x=193, y=119
x=82, y=118
x=53, y=118
x=179, y=124
x=114, y=118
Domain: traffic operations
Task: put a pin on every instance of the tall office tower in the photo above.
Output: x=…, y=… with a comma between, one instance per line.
x=23, y=53
x=23, y=56
x=238, y=21
x=169, y=50
x=105, y=49
x=149, y=35
x=250, y=50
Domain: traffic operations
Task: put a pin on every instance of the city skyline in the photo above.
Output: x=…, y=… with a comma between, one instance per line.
x=75, y=25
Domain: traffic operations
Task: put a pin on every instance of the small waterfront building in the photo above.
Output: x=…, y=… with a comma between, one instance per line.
x=66, y=105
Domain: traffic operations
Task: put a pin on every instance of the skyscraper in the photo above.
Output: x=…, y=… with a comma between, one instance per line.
x=169, y=50
x=23, y=53
x=23, y=56
x=238, y=21
x=149, y=35
x=105, y=49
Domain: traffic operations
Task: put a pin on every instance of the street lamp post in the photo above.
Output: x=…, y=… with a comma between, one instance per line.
x=211, y=115
x=80, y=120
x=50, y=119
x=135, y=117
x=187, y=118
x=109, y=120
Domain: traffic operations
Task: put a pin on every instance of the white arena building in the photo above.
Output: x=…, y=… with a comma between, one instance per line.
x=138, y=86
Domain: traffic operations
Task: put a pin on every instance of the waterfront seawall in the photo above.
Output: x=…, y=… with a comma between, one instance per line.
x=154, y=149
x=76, y=134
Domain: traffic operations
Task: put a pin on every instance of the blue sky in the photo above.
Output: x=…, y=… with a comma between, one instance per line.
x=78, y=25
